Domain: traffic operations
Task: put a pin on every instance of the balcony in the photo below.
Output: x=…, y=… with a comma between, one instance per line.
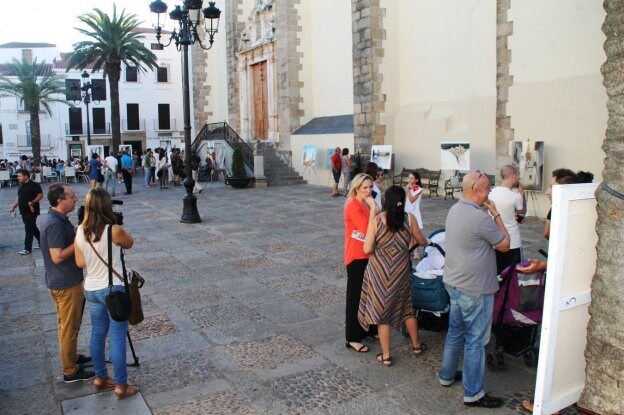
x=26, y=141
x=81, y=130
x=165, y=124
x=132, y=124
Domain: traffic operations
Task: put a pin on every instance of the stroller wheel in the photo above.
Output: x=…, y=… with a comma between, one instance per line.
x=491, y=362
x=530, y=358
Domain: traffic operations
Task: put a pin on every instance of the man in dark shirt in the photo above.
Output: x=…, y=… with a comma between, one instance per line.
x=64, y=280
x=29, y=194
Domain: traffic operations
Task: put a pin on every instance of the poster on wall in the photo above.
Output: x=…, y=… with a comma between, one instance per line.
x=529, y=157
x=330, y=153
x=455, y=155
x=382, y=156
x=309, y=155
x=91, y=150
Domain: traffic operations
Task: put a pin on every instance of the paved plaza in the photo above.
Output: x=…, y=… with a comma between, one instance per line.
x=244, y=315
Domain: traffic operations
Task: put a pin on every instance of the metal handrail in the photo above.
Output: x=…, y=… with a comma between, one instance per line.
x=223, y=131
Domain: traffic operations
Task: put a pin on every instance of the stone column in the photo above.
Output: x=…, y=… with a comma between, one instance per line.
x=504, y=132
x=288, y=69
x=233, y=29
x=200, y=86
x=368, y=53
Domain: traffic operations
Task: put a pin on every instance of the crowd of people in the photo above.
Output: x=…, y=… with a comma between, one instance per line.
x=482, y=238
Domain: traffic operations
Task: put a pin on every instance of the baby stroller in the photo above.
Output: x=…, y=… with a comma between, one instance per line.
x=429, y=297
x=518, y=307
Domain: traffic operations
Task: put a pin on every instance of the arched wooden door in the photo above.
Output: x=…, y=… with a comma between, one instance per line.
x=260, y=101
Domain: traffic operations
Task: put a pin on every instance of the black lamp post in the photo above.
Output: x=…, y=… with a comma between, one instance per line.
x=86, y=89
x=185, y=34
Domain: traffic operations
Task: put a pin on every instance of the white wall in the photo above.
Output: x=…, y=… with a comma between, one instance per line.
x=439, y=72
x=557, y=95
x=320, y=175
x=327, y=64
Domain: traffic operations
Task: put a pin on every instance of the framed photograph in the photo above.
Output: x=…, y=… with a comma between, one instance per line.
x=126, y=147
x=455, y=155
x=309, y=155
x=382, y=156
x=529, y=157
x=99, y=150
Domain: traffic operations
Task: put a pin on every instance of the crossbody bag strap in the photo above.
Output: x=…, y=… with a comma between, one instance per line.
x=109, y=233
x=123, y=266
x=110, y=255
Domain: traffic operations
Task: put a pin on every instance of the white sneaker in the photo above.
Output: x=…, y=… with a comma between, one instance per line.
x=36, y=246
x=24, y=252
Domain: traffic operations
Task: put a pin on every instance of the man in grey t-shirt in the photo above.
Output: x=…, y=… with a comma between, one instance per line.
x=64, y=280
x=472, y=236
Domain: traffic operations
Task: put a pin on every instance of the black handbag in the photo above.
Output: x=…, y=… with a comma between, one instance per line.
x=118, y=302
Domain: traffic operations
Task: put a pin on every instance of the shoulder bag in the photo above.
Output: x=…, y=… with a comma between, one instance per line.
x=126, y=305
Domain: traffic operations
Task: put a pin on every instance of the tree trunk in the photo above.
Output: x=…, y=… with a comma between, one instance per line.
x=113, y=81
x=604, y=354
x=35, y=134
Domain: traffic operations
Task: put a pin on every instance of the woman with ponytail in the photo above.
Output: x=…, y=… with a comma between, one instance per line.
x=386, y=299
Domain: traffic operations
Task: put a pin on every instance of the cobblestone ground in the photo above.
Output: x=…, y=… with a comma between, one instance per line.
x=244, y=314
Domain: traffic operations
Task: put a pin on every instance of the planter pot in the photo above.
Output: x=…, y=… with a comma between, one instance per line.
x=239, y=182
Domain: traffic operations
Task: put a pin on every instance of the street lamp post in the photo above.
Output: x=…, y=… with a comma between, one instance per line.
x=86, y=89
x=187, y=18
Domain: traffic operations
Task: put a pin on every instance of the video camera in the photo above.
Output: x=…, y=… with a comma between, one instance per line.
x=119, y=215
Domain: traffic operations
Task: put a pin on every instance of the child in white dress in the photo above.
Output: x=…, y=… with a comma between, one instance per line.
x=413, y=194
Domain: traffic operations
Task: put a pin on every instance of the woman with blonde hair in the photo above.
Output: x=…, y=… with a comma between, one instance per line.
x=359, y=209
x=91, y=250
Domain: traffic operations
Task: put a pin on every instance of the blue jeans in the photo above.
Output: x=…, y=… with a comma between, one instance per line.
x=470, y=322
x=100, y=323
x=110, y=178
x=148, y=175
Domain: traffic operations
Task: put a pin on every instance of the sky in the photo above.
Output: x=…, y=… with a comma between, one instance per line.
x=54, y=21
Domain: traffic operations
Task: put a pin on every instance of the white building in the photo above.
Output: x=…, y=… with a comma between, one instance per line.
x=150, y=106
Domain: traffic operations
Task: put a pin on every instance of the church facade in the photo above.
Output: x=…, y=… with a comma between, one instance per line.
x=412, y=74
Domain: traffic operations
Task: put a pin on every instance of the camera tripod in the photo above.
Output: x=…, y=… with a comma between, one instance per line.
x=134, y=355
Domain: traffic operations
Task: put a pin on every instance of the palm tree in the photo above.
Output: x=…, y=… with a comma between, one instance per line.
x=36, y=86
x=113, y=41
x=604, y=374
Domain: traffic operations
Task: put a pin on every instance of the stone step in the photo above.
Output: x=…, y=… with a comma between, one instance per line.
x=286, y=183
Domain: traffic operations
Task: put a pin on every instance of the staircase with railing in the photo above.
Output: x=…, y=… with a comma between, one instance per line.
x=277, y=165
x=223, y=131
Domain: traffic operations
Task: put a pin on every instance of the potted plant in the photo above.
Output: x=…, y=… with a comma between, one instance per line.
x=239, y=178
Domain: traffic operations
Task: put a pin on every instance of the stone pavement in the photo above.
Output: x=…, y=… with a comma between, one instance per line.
x=244, y=315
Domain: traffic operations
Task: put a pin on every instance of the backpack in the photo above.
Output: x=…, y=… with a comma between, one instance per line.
x=87, y=169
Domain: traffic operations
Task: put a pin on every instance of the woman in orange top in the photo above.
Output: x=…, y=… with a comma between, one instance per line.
x=359, y=210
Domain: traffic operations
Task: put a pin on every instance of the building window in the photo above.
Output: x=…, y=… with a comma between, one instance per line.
x=72, y=90
x=133, y=116
x=98, y=89
x=99, y=121
x=161, y=74
x=75, y=121
x=164, y=122
x=132, y=74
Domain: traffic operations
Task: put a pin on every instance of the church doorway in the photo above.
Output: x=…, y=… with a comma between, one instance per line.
x=260, y=101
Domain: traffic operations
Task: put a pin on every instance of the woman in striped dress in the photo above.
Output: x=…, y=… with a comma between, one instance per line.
x=386, y=298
